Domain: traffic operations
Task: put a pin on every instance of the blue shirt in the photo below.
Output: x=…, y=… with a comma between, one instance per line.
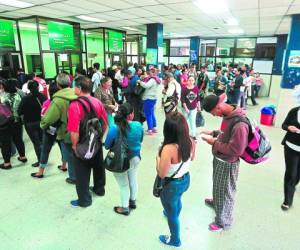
x=134, y=137
x=132, y=69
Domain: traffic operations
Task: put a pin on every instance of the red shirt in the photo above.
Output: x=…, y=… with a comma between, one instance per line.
x=76, y=113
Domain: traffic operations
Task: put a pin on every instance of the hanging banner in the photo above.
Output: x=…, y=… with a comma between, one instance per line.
x=115, y=41
x=61, y=36
x=7, y=38
x=151, y=57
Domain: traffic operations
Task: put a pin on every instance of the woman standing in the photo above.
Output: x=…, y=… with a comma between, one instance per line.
x=291, y=144
x=150, y=98
x=132, y=131
x=175, y=155
x=191, y=104
x=220, y=83
x=105, y=95
x=30, y=108
x=14, y=132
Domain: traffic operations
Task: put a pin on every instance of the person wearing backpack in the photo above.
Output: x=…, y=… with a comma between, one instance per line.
x=87, y=124
x=132, y=132
x=58, y=113
x=30, y=108
x=171, y=93
x=12, y=132
x=227, y=147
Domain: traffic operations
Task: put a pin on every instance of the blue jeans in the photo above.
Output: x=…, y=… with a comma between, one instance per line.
x=235, y=96
x=191, y=119
x=171, y=201
x=149, y=108
x=47, y=144
x=67, y=153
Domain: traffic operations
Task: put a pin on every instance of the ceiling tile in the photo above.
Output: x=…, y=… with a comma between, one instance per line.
x=160, y=10
x=139, y=12
x=89, y=5
x=242, y=4
x=276, y=11
x=120, y=14
x=73, y=10
x=106, y=16
x=185, y=8
x=143, y=2
x=115, y=4
x=274, y=3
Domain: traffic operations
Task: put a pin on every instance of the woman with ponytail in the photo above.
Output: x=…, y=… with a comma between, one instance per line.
x=132, y=132
x=30, y=108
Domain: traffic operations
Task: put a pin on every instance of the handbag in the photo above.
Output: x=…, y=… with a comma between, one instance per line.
x=199, y=120
x=159, y=183
x=117, y=159
x=138, y=90
x=171, y=102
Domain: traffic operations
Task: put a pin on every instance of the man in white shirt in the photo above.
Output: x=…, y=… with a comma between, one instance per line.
x=97, y=77
x=172, y=87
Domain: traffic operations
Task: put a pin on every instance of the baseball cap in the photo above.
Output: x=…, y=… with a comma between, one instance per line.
x=211, y=101
x=114, y=67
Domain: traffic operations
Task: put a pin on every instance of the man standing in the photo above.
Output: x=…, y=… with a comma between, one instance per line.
x=227, y=146
x=76, y=113
x=57, y=113
x=97, y=77
x=202, y=82
x=171, y=93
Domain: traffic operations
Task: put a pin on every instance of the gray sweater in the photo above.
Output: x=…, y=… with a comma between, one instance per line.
x=150, y=89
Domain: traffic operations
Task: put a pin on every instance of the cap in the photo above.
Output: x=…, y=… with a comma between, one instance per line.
x=211, y=101
x=114, y=67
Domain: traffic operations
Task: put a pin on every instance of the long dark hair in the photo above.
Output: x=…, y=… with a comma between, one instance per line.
x=176, y=131
x=33, y=87
x=121, y=117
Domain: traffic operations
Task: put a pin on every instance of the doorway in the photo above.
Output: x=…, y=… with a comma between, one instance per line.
x=67, y=62
x=9, y=64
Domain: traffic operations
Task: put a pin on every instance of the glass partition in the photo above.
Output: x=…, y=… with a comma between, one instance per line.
x=225, y=47
x=95, y=47
x=245, y=47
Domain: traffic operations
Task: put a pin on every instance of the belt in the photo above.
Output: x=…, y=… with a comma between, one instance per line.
x=176, y=179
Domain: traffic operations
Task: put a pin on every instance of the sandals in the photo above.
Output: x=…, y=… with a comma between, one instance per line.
x=5, y=167
x=34, y=175
x=62, y=169
x=22, y=160
x=122, y=210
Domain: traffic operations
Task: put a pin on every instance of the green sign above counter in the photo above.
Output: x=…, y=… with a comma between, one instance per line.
x=7, y=39
x=61, y=36
x=115, y=41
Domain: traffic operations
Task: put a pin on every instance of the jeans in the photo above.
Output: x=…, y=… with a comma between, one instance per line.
x=13, y=133
x=127, y=182
x=242, y=100
x=149, y=108
x=67, y=153
x=35, y=134
x=171, y=201
x=111, y=120
x=191, y=119
x=235, y=96
x=257, y=88
x=47, y=144
x=83, y=173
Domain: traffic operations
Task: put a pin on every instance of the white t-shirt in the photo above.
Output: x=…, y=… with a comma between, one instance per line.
x=27, y=91
x=96, y=79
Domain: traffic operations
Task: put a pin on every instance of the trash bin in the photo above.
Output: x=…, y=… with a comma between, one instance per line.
x=267, y=115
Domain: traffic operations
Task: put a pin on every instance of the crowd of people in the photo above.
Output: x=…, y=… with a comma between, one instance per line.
x=121, y=100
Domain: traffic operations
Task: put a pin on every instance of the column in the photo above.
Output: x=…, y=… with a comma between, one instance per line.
x=194, y=50
x=279, y=54
x=154, y=44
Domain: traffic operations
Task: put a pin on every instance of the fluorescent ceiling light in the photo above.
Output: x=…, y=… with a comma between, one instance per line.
x=129, y=28
x=16, y=3
x=232, y=21
x=90, y=19
x=212, y=6
x=236, y=31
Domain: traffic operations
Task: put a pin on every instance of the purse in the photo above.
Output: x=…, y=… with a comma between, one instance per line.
x=159, y=183
x=138, y=90
x=199, y=120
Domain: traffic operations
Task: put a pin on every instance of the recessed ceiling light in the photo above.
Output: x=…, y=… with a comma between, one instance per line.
x=178, y=19
x=16, y=3
x=216, y=28
x=236, y=31
x=90, y=19
x=212, y=6
x=129, y=28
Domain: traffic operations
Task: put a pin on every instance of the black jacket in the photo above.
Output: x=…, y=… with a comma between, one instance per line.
x=291, y=120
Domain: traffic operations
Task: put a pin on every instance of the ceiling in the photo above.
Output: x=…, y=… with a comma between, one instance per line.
x=181, y=18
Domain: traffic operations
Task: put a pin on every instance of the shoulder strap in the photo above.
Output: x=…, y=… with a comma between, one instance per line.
x=238, y=119
x=176, y=172
x=92, y=108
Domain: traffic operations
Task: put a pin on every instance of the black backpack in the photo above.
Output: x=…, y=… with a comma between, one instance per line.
x=90, y=132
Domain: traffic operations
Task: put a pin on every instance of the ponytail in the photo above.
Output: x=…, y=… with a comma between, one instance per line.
x=121, y=118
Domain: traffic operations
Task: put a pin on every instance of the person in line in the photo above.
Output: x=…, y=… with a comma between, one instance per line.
x=191, y=105
x=259, y=83
x=220, y=83
x=171, y=91
x=131, y=68
x=13, y=132
x=176, y=153
x=105, y=95
x=97, y=77
x=76, y=113
x=133, y=132
x=236, y=86
x=227, y=147
x=57, y=113
x=193, y=72
x=184, y=77
x=150, y=98
x=30, y=108
x=202, y=82
x=291, y=143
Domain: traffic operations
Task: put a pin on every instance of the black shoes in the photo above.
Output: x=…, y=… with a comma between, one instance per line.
x=35, y=175
x=285, y=207
x=132, y=204
x=102, y=193
x=5, y=167
x=35, y=165
x=122, y=210
x=22, y=160
x=62, y=169
x=70, y=181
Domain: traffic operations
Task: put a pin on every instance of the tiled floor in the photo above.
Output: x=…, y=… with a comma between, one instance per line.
x=35, y=214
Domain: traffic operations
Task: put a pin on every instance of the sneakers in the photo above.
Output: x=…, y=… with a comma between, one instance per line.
x=70, y=181
x=154, y=130
x=285, y=207
x=209, y=202
x=132, y=204
x=149, y=132
x=165, y=239
x=122, y=210
x=74, y=203
x=213, y=227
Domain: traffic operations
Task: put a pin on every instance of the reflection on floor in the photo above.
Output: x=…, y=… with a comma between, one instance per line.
x=35, y=214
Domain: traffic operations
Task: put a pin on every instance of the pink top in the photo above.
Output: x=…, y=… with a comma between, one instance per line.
x=184, y=78
x=259, y=81
x=124, y=82
x=156, y=78
x=45, y=106
x=76, y=113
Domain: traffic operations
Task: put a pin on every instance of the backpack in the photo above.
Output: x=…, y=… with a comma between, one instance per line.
x=13, y=102
x=90, y=132
x=171, y=103
x=117, y=159
x=6, y=116
x=258, y=144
